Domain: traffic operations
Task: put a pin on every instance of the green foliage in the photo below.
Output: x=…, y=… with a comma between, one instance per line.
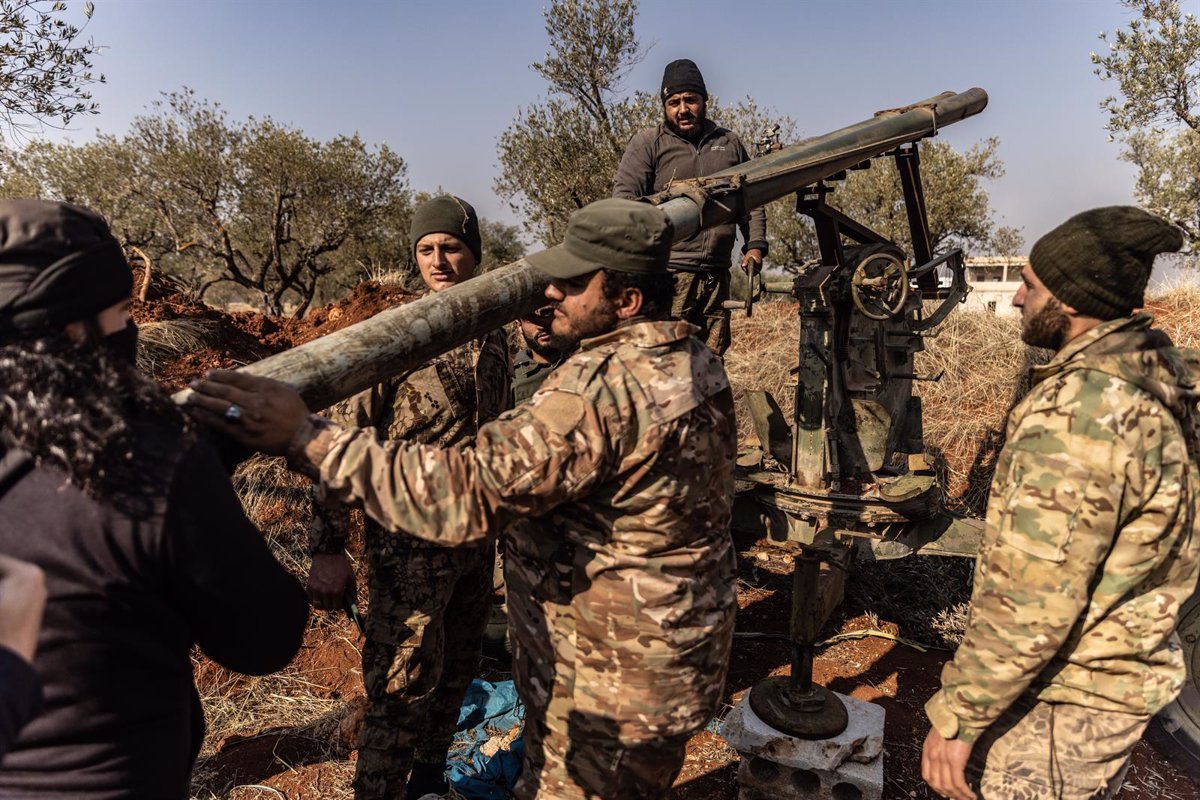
x=253, y=204
x=1155, y=62
x=1168, y=180
x=501, y=243
x=44, y=68
x=1007, y=242
x=559, y=155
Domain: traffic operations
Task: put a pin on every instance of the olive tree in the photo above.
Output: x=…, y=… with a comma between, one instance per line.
x=1155, y=65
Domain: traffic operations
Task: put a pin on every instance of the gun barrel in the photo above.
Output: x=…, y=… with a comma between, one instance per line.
x=357, y=357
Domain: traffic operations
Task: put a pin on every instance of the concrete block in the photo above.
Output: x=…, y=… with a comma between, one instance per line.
x=776, y=766
x=760, y=779
x=861, y=742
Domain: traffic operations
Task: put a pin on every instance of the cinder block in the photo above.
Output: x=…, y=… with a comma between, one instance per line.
x=776, y=766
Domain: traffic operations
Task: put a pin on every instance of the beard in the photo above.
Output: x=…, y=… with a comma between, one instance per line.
x=601, y=320
x=695, y=133
x=1047, y=328
x=544, y=349
x=80, y=408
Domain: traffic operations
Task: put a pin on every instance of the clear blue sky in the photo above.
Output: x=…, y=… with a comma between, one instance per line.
x=439, y=81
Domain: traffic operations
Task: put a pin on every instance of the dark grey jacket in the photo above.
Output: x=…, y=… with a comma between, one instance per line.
x=657, y=156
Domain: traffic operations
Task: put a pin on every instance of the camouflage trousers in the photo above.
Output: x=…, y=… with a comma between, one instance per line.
x=700, y=299
x=571, y=754
x=428, y=607
x=1038, y=750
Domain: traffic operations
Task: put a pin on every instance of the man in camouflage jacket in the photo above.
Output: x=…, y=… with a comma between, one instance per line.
x=428, y=603
x=1090, y=546
x=622, y=584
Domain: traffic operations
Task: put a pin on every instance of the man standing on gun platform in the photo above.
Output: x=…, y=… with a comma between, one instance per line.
x=622, y=466
x=1090, y=545
x=428, y=603
x=689, y=145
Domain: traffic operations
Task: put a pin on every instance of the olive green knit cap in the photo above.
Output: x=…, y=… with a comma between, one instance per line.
x=1098, y=262
x=447, y=214
x=616, y=234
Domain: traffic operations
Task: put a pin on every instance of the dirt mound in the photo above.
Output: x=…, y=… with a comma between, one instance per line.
x=182, y=337
x=367, y=300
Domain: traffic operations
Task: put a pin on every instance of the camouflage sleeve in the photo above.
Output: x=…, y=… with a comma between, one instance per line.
x=1051, y=520
x=330, y=525
x=523, y=464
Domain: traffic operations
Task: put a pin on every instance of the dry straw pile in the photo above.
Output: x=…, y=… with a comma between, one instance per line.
x=982, y=361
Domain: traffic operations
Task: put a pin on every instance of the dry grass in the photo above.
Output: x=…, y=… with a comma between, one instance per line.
x=161, y=343
x=277, y=502
x=1177, y=311
x=762, y=356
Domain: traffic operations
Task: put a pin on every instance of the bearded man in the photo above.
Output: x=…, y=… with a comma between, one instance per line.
x=1090, y=545
x=146, y=551
x=621, y=579
x=539, y=356
x=687, y=144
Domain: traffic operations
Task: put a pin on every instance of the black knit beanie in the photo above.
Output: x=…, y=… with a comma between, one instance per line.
x=1098, y=262
x=682, y=76
x=447, y=214
x=58, y=264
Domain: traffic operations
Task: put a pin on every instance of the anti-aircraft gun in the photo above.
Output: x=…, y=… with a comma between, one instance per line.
x=847, y=471
x=848, y=468
x=821, y=482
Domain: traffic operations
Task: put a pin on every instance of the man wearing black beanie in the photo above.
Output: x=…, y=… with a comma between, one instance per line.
x=689, y=145
x=1090, y=546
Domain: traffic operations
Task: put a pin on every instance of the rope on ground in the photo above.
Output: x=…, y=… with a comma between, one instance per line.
x=841, y=637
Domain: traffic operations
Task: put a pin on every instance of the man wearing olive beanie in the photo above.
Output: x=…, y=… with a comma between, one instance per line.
x=448, y=215
x=1089, y=549
x=428, y=604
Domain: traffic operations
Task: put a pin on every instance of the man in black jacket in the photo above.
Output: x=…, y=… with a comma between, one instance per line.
x=687, y=144
x=145, y=548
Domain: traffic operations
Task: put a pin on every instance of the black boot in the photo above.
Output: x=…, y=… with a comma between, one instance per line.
x=427, y=779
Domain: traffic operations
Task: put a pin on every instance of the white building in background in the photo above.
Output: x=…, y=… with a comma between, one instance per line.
x=994, y=280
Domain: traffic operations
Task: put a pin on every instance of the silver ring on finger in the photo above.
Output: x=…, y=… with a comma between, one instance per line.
x=233, y=413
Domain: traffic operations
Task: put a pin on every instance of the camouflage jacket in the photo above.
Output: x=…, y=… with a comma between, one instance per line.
x=627, y=453
x=441, y=403
x=1090, y=548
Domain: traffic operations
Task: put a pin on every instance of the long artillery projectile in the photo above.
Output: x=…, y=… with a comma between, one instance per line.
x=336, y=366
